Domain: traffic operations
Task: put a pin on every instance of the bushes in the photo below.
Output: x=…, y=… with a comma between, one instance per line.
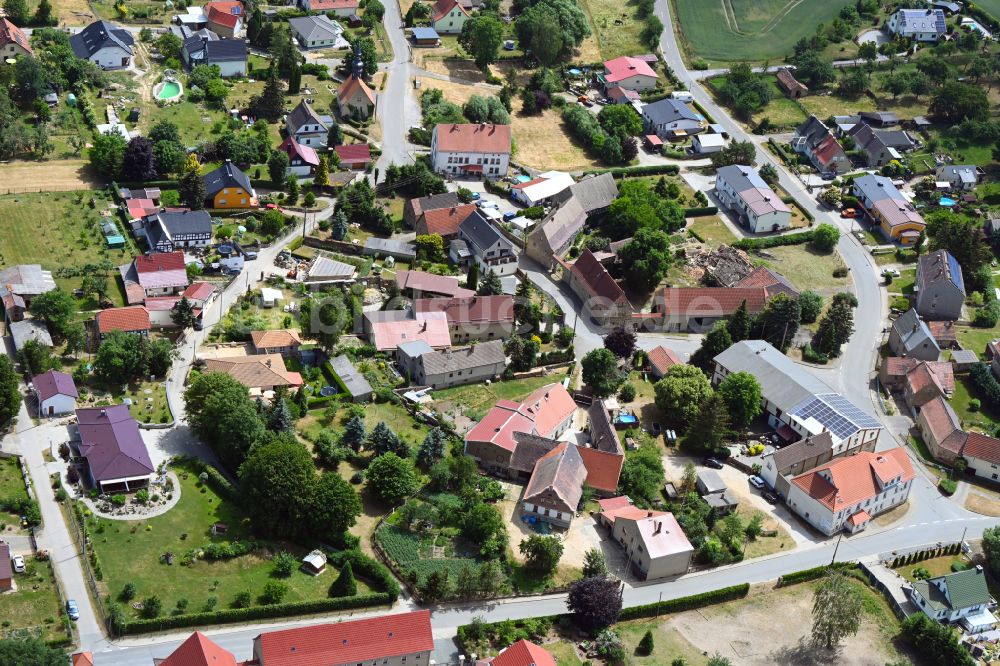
x=948, y=486
x=936, y=643
x=214, y=478
x=369, y=569
x=813, y=574
x=703, y=210
x=686, y=603
x=225, y=550
x=987, y=384
x=621, y=172
x=773, y=241
x=230, y=615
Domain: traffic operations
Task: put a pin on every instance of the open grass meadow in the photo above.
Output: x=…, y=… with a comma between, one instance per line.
x=783, y=112
x=132, y=551
x=11, y=488
x=614, y=40
x=395, y=416
x=723, y=31
x=34, y=608
x=806, y=268
x=72, y=234
x=477, y=399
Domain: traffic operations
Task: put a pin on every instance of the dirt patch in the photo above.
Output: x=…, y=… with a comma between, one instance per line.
x=733, y=630
x=544, y=142
x=458, y=93
x=889, y=517
x=21, y=176
x=458, y=68
x=982, y=504
x=72, y=12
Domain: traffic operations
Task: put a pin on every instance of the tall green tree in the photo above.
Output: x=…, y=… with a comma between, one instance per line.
x=541, y=553
x=740, y=324
x=432, y=449
x=779, y=322
x=354, y=432
x=56, y=308
x=43, y=14
x=270, y=103
x=333, y=507
x=221, y=413
x=277, y=480
x=646, y=258
x=959, y=235
x=837, y=609
x=345, y=585
x=714, y=343
x=600, y=372
x=107, y=153
x=680, y=394
x=954, y=102
x=383, y=440
x=32, y=651
x=481, y=37
x=192, y=185
x=710, y=427
x=741, y=395
x=321, y=177
x=810, y=304
x=10, y=391
x=490, y=285
x=17, y=11
x=277, y=164
x=834, y=328
x=391, y=478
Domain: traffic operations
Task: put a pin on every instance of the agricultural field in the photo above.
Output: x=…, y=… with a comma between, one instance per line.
x=73, y=238
x=724, y=31
x=132, y=552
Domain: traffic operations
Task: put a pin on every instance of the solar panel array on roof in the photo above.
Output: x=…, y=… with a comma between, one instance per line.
x=836, y=413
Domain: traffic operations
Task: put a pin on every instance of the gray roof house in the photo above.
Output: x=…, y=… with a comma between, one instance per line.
x=671, y=119
x=958, y=176
x=939, y=286
x=460, y=365
x=320, y=32
x=104, y=44
x=555, y=486
x=492, y=250
x=816, y=141
x=328, y=271
x=351, y=380
x=230, y=55
x=710, y=482
x=594, y=193
x=228, y=175
x=554, y=234
x=386, y=247
x=754, y=204
x=922, y=25
x=167, y=231
x=29, y=329
x=910, y=336
x=796, y=402
x=880, y=146
x=306, y=126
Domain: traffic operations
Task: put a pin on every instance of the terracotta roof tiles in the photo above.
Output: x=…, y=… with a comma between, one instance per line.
x=131, y=319
x=472, y=137
x=854, y=479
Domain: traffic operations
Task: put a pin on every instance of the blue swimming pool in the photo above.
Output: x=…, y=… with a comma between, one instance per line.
x=946, y=201
x=627, y=419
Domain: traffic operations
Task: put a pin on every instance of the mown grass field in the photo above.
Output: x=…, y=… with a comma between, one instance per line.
x=130, y=551
x=57, y=230
x=33, y=610
x=721, y=31
x=615, y=40
x=11, y=488
x=476, y=399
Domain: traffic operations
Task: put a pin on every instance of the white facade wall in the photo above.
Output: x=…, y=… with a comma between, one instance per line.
x=494, y=165
x=111, y=58
x=637, y=82
x=830, y=522
x=57, y=405
x=984, y=469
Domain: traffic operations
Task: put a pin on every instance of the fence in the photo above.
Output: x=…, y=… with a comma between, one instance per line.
x=79, y=533
x=875, y=582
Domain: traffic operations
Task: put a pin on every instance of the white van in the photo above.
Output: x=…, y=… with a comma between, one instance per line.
x=682, y=95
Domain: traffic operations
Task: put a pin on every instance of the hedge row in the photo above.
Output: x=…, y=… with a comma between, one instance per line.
x=686, y=603
x=698, y=212
x=229, y=615
x=814, y=573
x=920, y=556
x=773, y=241
x=216, y=480
x=368, y=568
x=622, y=172
x=779, y=149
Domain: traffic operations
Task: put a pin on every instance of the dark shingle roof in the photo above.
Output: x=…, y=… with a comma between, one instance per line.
x=528, y=450
x=303, y=114
x=227, y=175
x=802, y=450
x=98, y=35
x=226, y=50
x=479, y=231
x=562, y=471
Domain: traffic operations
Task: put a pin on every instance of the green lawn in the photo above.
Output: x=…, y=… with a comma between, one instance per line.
x=712, y=230
x=904, y=283
x=783, y=112
x=476, y=399
x=616, y=40
x=396, y=417
x=130, y=551
x=72, y=236
x=990, y=6
x=33, y=610
x=806, y=268
x=976, y=339
x=985, y=419
x=149, y=402
x=11, y=488
x=936, y=566
x=748, y=30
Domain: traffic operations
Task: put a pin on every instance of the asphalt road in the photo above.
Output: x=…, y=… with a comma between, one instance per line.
x=397, y=108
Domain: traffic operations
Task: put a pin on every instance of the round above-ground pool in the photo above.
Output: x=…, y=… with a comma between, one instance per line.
x=327, y=391
x=167, y=90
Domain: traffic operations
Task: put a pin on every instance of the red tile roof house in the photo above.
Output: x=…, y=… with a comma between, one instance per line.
x=982, y=455
x=337, y=7
x=356, y=156
x=400, y=639
x=13, y=41
x=6, y=570
x=696, y=309
x=443, y=221
x=473, y=318
x=302, y=159
x=109, y=439
x=521, y=653
x=928, y=380
x=160, y=274
x=225, y=17
x=604, y=300
x=82, y=659
x=471, y=149
x=133, y=319
x=662, y=359
x=548, y=412
x=846, y=493
x=941, y=430
x=629, y=73
x=198, y=650
x=56, y=393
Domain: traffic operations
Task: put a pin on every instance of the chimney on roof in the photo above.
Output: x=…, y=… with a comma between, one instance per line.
x=657, y=527
x=423, y=326
x=104, y=412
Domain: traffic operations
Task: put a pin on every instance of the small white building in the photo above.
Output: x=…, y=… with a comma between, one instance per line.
x=56, y=393
x=704, y=144
x=269, y=297
x=540, y=189
x=921, y=25
x=105, y=44
x=755, y=204
x=471, y=149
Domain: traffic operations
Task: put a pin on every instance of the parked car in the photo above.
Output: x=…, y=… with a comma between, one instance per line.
x=72, y=610
x=250, y=255
x=756, y=482
x=18, y=562
x=509, y=215
x=769, y=497
x=848, y=212
x=711, y=462
x=483, y=203
x=656, y=428
x=475, y=196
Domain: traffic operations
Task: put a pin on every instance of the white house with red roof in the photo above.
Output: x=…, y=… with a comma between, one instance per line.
x=388, y=329
x=337, y=7
x=356, y=156
x=225, y=18
x=472, y=149
x=159, y=274
x=547, y=412
x=448, y=17
x=302, y=159
x=400, y=639
x=541, y=188
x=662, y=359
x=629, y=73
x=13, y=41
x=846, y=493
x=56, y=393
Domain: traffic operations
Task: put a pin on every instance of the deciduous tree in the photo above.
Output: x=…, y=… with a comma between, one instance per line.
x=482, y=36
x=646, y=258
x=600, y=372
x=740, y=393
x=192, y=185
x=56, y=308
x=391, y=478
x=620, y=341
x=276, y=480
x=595, y=602
x=680, y=394
x=836, y=610
x=714, y=343
x=541, y=553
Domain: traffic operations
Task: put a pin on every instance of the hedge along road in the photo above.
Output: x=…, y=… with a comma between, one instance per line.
x=749, y=30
